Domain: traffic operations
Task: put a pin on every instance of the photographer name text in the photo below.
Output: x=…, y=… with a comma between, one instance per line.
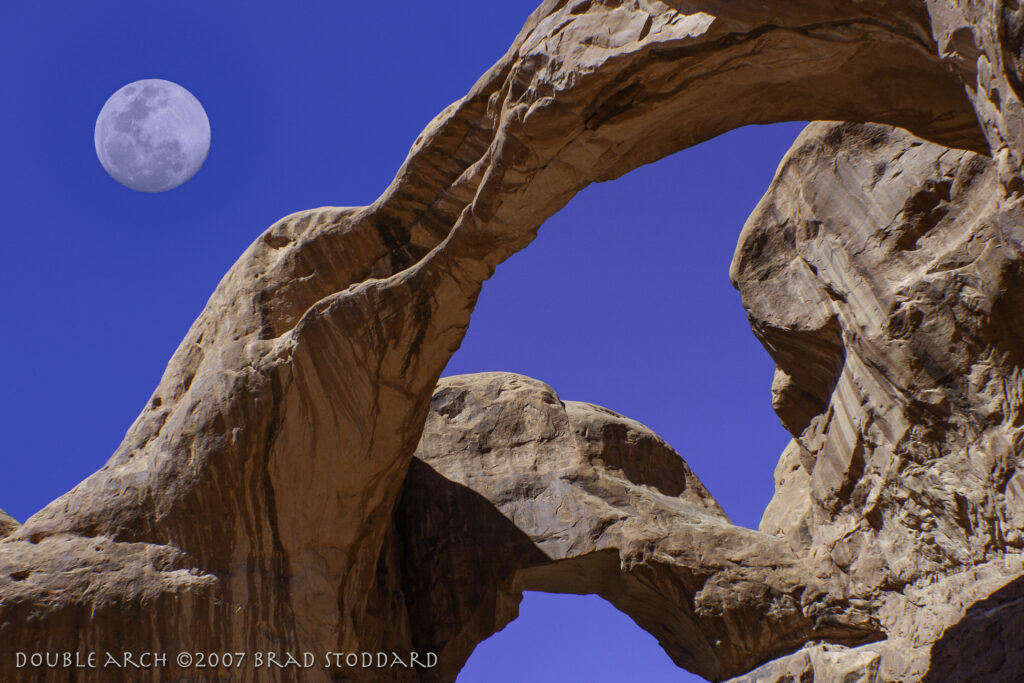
x=224, y=660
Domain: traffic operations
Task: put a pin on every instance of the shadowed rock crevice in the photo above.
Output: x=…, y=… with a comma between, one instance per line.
x=986, y=643
x=452, y=537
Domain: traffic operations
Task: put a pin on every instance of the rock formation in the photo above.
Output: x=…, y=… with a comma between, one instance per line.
x=884, y=274
x=267, y=499
x=7, y=524
x=572, y=498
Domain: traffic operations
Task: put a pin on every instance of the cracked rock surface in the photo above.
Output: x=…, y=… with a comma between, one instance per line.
x=261, y=500
x=886, y=278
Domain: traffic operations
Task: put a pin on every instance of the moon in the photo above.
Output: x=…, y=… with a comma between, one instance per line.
x=152, y=135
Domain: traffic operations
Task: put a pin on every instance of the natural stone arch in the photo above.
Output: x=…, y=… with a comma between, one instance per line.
x=513, y=490
x=252, y=498
x=881, y=276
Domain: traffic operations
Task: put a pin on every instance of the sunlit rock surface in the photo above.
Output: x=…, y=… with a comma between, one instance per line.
x=252, y=505
x=513, y=489
x=886, y=277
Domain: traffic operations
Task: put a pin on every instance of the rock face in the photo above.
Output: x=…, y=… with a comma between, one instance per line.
x=819, y=662
x=886, y=278
x=266, y=498
x=7, y=524
x=514, y=490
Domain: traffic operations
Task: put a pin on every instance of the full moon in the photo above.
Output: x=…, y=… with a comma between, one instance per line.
x=152, y=135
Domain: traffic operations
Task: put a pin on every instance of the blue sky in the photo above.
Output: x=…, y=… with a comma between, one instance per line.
x=623, y=300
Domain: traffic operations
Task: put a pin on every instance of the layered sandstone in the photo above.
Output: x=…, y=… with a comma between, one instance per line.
x=886, y=277
x=252, y=505
x=513, y=489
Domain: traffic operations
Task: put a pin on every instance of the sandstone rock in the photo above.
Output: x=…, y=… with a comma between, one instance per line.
x=894, y=266
x=253, y=498
x=986, y=643
x=7, y=524
x=513, y=489
x=820, y=662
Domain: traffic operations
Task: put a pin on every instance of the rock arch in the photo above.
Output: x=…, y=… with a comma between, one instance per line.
x=250, y=505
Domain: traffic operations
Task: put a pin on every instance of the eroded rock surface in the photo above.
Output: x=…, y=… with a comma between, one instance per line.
x=251, y=505
x=885, y=275
x=574, y=498
x=7, y=524
x=819, y=662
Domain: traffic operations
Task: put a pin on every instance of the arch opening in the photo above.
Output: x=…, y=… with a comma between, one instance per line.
x=624, y=301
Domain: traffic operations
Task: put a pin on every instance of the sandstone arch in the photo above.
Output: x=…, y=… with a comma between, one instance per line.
x=307, y=378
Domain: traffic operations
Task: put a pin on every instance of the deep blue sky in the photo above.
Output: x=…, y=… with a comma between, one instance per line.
x=623, y=300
